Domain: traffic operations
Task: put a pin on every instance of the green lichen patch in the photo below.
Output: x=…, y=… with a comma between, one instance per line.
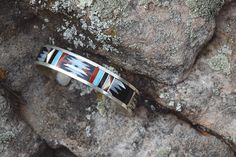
x=95, y=18
x=84, y=89
x=160, y=3
x=6, y=137
x=225, y=49
x=204, y=8
x=220, y=63
x=110, y=8
x=188, y=155
x=85, y=3
x=163, y=152
x=216, y=91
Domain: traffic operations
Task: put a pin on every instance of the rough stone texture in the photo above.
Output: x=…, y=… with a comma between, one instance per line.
x=67, y=119
x=14, y=133
x=63, y=117
x=208, y=96
x=159, y=39
x=16, y=137
x=76, y=121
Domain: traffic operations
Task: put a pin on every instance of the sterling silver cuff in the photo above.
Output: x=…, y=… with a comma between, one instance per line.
x=53, y=60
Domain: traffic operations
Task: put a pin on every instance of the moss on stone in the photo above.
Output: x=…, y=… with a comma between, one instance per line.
x=6, y=137
x=155, y=2
x=110, y=8
x=204, y=8
x=102, y=104
x=85, y=3
x=76, y=85
x=220, y=63
x=188, y=155
x=163, y=152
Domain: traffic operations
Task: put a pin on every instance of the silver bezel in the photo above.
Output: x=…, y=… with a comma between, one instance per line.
x=94, y=64
x=53, y=67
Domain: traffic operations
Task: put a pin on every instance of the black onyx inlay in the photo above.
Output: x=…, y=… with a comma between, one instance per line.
x=103, y=80
x=121, y=91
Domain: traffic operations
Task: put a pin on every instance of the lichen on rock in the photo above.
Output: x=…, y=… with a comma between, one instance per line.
x=160, y=3
x=163, y=152
x=6, y=137
x=103, y=104
x=83, y=89
x=158, y=43
x=204, y=8
x=110, y=9
x=85, y=3
x=130, y=35
x=220, y=63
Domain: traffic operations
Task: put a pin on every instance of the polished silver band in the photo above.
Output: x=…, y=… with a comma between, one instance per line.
x=53, y=60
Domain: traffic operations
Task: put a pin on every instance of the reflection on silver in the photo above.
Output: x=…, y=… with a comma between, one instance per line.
x=85, y=70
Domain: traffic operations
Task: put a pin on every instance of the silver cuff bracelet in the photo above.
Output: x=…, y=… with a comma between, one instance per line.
x=53, y=60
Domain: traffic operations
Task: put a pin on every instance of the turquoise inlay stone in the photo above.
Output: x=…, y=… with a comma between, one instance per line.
x=98, y=78
x=57, y=57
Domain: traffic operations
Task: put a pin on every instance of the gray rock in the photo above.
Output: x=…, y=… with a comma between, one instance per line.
x=67, y=117
x=159, y=39
x=62, y=117
x=16, y=137
x=208, y=96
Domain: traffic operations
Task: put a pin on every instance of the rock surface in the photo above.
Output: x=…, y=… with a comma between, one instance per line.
x=62, y=117
x=14, y=133
x=208, y=96
x=159, y=39
x=55, y=121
